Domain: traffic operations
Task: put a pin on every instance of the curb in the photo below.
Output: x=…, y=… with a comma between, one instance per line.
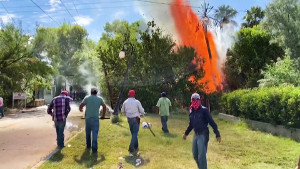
x=56, y=150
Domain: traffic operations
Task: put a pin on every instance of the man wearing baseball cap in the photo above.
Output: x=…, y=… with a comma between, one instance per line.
x=92, y=103
x=133, y=109
x=59, y=109
x=200, y=117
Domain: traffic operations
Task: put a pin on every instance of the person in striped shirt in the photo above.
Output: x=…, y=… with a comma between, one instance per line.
x=59, y=109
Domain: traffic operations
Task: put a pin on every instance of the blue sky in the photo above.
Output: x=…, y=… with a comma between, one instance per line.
x=93, y=14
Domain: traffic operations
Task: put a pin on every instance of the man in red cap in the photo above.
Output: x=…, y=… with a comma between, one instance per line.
x=133, y=109
x=59, y=109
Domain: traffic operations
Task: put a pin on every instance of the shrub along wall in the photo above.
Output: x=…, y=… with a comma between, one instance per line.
x=275, y=105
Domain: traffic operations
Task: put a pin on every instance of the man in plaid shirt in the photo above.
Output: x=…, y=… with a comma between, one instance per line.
x=61, y=108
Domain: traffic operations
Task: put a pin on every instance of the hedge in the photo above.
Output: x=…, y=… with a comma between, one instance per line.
x=275, y=105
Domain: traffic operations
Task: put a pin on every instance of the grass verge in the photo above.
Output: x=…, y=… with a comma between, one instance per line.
x=240, y=148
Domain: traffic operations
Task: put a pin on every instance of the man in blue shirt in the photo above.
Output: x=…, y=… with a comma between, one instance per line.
x=199, y=119
x=92, y=103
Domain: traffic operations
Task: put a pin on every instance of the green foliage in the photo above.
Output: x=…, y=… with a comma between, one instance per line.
x=21, y=70
x=155, y=65
x=283, y=72
x=248, y=57
x=276, y=105
x=282, y=22
x=224, y=14
x=253, y=17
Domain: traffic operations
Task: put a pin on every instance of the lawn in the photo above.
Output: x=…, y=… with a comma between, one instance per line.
x=240, y=148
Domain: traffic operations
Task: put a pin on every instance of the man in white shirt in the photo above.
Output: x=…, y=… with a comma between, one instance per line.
x=133, y=109
x=1, y=108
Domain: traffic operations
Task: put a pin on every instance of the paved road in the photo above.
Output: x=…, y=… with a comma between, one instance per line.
x=26, y=138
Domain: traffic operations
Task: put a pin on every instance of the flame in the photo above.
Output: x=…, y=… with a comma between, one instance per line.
x=191, y=33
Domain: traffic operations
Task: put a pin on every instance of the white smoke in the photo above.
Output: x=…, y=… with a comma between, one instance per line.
x=159, y=12
x=90, y=77
x=224, y=39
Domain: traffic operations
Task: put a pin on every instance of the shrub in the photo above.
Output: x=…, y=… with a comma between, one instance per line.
x=276, y=105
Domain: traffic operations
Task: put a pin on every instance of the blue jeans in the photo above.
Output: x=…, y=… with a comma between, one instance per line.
x=164, y=120
x=60, y=127
x=200, y=143
x=134, y=129
x=92, y=127
x=1, y=111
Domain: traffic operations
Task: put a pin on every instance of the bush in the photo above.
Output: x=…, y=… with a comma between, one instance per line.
x=276, y=105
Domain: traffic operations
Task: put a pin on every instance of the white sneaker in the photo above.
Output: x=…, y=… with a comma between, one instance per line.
x=130, y=155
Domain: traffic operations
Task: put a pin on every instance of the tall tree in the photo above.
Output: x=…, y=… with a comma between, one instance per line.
x=21, y=70
x=248, y=57
x=253, y=17
x=282, y=22
x=225, y=14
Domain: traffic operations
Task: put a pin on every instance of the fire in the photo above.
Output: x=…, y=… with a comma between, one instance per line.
x=191, y=33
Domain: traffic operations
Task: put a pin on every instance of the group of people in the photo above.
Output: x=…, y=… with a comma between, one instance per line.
x=199, y=118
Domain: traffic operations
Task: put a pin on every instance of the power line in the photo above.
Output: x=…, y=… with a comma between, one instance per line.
x=68, y=11
x=75, y=7
x=7, y=12
x=44, y=12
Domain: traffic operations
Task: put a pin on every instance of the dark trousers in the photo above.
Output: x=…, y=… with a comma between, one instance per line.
x=164, y=120
x=60, y=127
x=92, y=128
x=134, y=129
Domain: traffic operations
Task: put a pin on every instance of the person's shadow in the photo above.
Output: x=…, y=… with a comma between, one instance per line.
x=58, y=156
x=89, y=159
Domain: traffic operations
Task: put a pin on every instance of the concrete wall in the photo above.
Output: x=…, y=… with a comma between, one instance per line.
x=278, y=130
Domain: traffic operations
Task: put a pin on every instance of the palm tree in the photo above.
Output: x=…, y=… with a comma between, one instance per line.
x=224, y=14
x=253, y=17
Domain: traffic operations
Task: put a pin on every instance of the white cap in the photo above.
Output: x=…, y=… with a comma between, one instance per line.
x=195, y=96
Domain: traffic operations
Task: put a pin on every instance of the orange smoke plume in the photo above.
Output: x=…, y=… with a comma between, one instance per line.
x=191, y=33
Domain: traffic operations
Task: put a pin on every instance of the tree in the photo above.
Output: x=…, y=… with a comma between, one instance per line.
x=253, y=17
x=224, y=14
x=20, y=69
x=283, y=72
x=282, y=22
x=248, y=57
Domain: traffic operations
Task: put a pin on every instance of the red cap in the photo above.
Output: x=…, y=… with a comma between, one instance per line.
x=64, y=92
x=131, y=93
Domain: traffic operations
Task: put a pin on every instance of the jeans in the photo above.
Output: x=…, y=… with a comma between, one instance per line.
x=164, y=120
x=134, y=129
x=1, y=111
x=92, y=127
x=60, y=127
x=200, y=143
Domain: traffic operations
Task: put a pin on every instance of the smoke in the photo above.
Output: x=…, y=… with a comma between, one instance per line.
x=224, y=39
x=159, y=12
x=91, y=77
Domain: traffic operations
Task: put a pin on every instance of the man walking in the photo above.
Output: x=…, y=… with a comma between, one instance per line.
x=199, y=119
x=59, y=109
x=133, y=109
x=163, y=108
x=1, y=108
x=92, y=103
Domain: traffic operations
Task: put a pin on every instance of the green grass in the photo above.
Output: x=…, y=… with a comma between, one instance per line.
x=240, y=148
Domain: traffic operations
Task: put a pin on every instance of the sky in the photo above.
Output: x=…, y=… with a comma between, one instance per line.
x=93, y=14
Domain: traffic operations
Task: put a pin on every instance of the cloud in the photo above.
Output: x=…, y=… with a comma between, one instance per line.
x=7, y=18
x=55, y=4
x=83, y=20
x=119, y=15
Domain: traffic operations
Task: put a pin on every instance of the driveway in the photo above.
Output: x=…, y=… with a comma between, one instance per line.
x=28, y=136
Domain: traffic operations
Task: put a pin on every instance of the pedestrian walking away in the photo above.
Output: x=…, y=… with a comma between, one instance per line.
x=163, y=107
x=133, y=110
x=59, y=109
x=200, y=117
x=92, y=111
